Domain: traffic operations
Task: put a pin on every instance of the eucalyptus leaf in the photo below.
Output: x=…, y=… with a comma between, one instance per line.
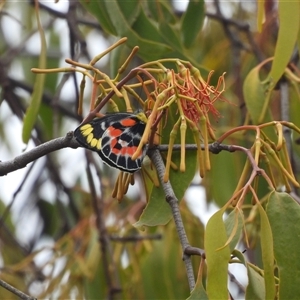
x=289, y=22
x=267, y=253
x=192, y=22
x=284, y=216
x=38, y=88
x=217, y=256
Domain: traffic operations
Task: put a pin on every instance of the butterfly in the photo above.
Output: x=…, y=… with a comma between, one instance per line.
x=115, y=137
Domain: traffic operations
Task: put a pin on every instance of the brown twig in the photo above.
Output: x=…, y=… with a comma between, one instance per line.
x=69, y=141
x=62, y=106
x=135, y=238
x=102, y=234
x=157, y=160
x=61, y=15
x=22, y=160
x=15, y=291
x=194, y=251
x=129, y=76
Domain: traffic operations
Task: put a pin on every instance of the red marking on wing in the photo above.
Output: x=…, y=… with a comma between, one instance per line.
x=113, y=143
x=128, y=122
x=115, y=151
x=124, y=151
x=129, y=151
x=114, y=132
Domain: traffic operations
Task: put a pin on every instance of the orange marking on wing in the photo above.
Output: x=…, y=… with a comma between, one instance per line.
x=128, y=122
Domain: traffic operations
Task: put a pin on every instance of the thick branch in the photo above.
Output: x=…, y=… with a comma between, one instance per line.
x=22, y=160
x=173, y=202
x=69, y=141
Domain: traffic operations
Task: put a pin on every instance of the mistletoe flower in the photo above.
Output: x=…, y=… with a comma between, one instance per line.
x=195, y=99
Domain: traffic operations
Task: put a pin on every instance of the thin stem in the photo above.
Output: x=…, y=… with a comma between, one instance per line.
x=285, y=115
x=102, y=233
x=15, y=291
x=129, y=76
x=134, y=238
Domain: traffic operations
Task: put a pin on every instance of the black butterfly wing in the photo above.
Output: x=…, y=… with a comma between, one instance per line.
x=89, y=134
x=120, y=141
x=115, y=138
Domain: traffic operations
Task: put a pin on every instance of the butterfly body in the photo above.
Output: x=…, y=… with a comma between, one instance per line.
x=115, y=137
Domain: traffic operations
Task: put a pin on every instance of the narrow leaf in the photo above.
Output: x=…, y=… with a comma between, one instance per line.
x=100, y=12
x=161, y=11
x=217, y=260
x=255, y=95
x=256, y=287
x=234, y=225
x=123, y=28
x=192, y=22
x=157, y=211
x=260, y=14
x=267, y=253
x=147, y=29
x=284, y=217
x=33, y=109
x=289, y=23
x=171, y=35
x=199, y=292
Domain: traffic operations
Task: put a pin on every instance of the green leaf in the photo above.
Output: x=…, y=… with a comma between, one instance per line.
x=116, y=59
x=129, y=9
x=155, y=270
x=93, y=287
x=255, y=96
x=199, y=292
x=149, y=50
x=221, y=162
x=267, y=253
x=298, y=43
x=260, y=14
x=192, y=22
x=289, y=24
x=147, y=29
x=181, y=181
x=97, y=9
x=217, y=256
x=48, y=212
x=256, y=287
x=234, y=225
x=46, y=116
x=161, y=11
x=284, y=217
x=33, y=109
x=170, y=35
x=157, y=211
